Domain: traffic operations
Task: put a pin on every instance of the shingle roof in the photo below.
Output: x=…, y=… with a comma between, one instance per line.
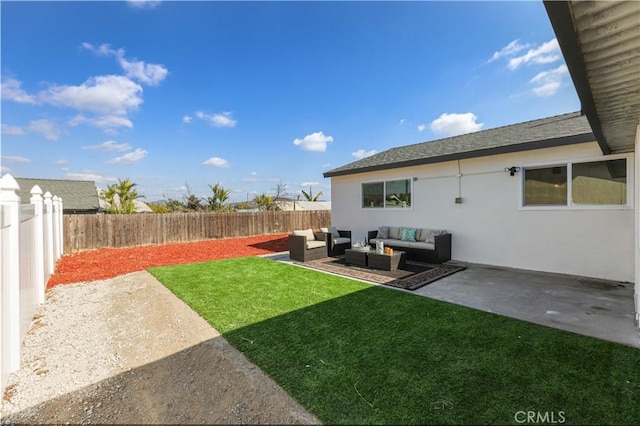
x=77, y=195
x=559, y=130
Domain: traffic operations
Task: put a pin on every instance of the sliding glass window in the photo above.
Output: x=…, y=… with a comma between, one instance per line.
x=387, y=194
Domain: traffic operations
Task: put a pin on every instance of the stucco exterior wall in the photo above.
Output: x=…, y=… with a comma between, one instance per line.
x=637, y=227
x=490, y=226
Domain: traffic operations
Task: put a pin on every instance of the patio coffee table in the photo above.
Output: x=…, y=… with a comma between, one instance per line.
x=387, y=262
x=355, y=257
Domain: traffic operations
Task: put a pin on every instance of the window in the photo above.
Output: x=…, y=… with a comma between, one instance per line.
x=373, y=195
x=386, y=194
x=545, y=186
x=600, y=183
x=593, y=183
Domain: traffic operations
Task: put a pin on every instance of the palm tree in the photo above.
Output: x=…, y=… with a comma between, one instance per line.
x=263, y=201
x=220, y=195
x=120, y=197
x=309, y=195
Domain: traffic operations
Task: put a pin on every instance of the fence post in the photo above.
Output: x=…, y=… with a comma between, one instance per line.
x=38, y=254
x=48, y=234
x=10, y=282
x=60, y=230
x=56, y=228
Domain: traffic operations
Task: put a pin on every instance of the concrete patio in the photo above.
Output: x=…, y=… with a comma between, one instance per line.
x=591, y=307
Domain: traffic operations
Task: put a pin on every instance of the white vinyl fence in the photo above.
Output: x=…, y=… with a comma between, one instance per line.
x=30, y=245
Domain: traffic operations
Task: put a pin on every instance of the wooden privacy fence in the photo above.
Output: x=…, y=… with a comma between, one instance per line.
x=87, y=232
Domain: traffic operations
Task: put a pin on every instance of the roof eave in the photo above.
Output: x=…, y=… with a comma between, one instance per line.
x=529, y=146
x=561, y=19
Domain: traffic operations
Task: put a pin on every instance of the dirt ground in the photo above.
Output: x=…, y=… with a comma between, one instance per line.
x=125, y=350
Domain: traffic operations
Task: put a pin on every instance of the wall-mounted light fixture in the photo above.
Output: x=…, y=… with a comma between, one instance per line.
x=512, y=170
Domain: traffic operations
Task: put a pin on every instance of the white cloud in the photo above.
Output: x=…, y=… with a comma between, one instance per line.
x=46, y=128
x=107, y=123
x=61, y=162
x=12, y=130
x=4, y=170
x=253, y=177
x=216, y=162
x=303, y=184
x=109, y=146
x=401, y=122
x=103, y=95
x=327, y=165
x=547, y=83
x=421, y=127
x=187, y=119
x=361, y=153
x=144, y=4
x=316, y=142
x=14, y=159
x=130, y=157
x=89, y=175
x=221, y=119
x=11, y=89
x=545, y=54
x=456, y=124
x=102, y=50
x=150, y=74
x=509, y=50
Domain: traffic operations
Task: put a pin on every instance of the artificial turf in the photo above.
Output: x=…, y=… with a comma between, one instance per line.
x=354, y=353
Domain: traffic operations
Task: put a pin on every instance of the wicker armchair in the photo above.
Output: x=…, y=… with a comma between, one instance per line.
x=307, y=245
x=336, y=245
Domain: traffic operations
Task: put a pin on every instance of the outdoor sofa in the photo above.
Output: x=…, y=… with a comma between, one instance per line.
x=421, y=244
x=305, y=245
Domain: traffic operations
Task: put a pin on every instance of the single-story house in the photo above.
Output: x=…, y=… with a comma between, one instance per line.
x=78, y=196
x=600, y=42
x=557, y=194
x=538, y=195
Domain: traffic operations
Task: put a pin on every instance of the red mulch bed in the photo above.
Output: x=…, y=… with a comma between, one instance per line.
x=110, y=262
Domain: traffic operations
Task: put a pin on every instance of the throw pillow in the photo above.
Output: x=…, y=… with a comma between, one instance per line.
x=394, y=232
x=431, y=235
x=383, y=232
x=325, y=230
x=334, y=231
x=408, y=234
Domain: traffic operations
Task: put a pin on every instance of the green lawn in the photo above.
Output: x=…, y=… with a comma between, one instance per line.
x=354, y=353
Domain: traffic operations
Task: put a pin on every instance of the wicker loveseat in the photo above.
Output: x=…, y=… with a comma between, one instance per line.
x=305, y=245
x=422, y=244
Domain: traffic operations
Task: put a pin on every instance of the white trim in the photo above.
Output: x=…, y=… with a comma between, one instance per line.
x=569, y=164
x=384, y=194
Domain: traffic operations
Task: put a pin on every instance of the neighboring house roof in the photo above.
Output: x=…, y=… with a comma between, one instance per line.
x=566, y=129
x=287, y=205
x=600, y=42
x=77, y=195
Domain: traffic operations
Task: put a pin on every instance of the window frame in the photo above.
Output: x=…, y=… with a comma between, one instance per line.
x=570, y=205
x=384, y=194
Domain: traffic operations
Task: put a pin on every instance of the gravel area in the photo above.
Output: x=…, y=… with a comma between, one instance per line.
x=126, y=350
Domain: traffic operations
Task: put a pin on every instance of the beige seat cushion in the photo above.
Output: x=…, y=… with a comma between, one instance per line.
x=315, y=244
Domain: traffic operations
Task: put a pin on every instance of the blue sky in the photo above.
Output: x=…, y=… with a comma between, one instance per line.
x=254, y=94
